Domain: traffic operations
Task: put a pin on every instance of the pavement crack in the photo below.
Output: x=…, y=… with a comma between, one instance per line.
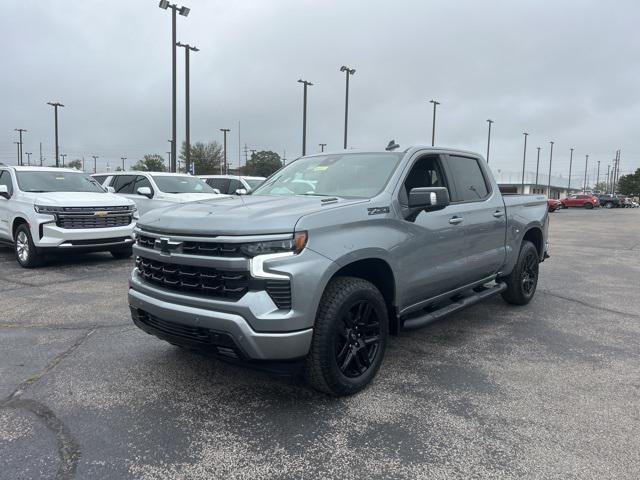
x=590, y=305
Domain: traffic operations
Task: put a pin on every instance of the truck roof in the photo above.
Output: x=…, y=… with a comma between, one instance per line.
x=41, y=169
x=409, y=148
x=135, y=172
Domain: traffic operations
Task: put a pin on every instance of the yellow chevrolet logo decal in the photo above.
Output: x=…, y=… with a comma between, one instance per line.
x=101, y=213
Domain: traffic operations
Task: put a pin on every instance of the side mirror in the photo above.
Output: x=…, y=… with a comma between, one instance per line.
x=144, y=191
x=431, y=198
x=111, y=190
x=241, y=191
x=4, y=191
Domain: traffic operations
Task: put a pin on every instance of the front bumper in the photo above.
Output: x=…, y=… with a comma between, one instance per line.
x=49, y=236
x=224, y=333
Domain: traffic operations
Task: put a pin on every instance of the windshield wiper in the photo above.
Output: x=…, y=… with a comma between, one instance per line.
x=39, y=191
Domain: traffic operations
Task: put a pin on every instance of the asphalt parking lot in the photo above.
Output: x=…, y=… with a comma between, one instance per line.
x=550, y=390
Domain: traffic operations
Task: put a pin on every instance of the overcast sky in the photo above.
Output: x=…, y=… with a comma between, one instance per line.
x=566, y=71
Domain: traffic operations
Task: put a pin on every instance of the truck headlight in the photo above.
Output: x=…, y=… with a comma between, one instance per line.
x=295, y=245
x=47, y=209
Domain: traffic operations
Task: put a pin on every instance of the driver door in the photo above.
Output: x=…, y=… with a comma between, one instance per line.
x=5, y=210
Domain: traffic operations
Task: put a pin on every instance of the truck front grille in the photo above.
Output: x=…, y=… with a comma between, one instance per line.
x=211, y=282
x=207, y=249
x=94, y=217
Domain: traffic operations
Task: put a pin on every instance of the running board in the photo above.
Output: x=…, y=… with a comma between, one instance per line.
x=421, y=321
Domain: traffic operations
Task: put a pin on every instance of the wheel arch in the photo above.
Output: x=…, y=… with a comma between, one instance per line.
x=16, y=223
x=535, y=236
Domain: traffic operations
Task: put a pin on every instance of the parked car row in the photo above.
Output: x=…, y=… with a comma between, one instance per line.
x=590, y=201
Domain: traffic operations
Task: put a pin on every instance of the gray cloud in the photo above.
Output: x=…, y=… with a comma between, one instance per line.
x=563, y=71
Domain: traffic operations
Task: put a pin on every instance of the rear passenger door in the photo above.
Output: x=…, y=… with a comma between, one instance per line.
x=482, y=214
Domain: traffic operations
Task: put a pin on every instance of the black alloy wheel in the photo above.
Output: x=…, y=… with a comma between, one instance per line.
x=357, y=339
x=529, y=275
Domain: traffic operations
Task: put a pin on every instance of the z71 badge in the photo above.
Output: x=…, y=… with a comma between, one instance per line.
x=378, y=210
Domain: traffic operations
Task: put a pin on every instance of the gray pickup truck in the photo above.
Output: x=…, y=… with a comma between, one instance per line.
x=330, y=255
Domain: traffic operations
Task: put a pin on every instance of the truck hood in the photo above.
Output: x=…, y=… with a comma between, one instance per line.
x=80, y=199
x=190, y=197
x=239, y=215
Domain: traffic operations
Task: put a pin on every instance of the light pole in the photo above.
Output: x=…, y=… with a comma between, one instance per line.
x=55, y=106
x=550, y=162
x=304, y=115
x=537, y=165
x=322, y=145
x=18, y=151
x=123, y=159
x=524, y=156
x=63, y=155
x=433, y=124
x=95, y=163
x=570, y=164
x=187, y=49
x=20, y=157
x=184, y=11
x=28, y=154
x=489, y=121
x=598, y=175
x=348, y=72
x=608, y=172
x=586, y=163
x=224, y=131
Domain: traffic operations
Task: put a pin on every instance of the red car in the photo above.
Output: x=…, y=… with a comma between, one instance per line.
x=584, y=201
x=553, y=204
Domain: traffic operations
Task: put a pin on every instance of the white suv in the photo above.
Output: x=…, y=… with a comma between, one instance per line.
x=151, y=190
x=48, y=209
x=233, y=184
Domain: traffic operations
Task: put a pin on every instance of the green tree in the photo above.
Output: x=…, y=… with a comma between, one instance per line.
x=150, y=163
x=77, y=164
x=630, y=184
x=206, y=157
x=601, y=187
x=262, y=164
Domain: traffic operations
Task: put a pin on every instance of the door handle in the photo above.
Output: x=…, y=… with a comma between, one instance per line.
x=498, y=214
x=455, y=220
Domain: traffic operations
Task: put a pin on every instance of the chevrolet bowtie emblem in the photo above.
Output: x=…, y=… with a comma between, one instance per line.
x=101, y=213
x=165, y=245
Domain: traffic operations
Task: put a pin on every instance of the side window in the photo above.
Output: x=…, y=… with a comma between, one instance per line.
x=5, y=179
x=142, y=182
x=234, y=185
x=221, y=184
x=99, y=178
x=426, y=172
x=468, y=178
x=123, y=183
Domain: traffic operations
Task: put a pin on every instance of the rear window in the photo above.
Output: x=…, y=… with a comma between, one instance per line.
x=468, y=178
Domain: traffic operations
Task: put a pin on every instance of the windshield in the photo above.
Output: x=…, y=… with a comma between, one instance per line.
x=50, y=181
x=181, y=184
x=342, y=175
x=254, y=183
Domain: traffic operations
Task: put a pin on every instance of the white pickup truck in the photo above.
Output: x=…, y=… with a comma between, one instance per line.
x=52, y=209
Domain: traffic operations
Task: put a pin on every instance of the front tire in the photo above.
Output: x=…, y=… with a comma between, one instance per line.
x=608, y=205
x=523, y=280
x=588, y=206
x=121, y=253
x=349, y=337
x=26, y=253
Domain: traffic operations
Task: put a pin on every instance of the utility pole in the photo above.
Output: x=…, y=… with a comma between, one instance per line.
x=598, y=175
x=246, y=154
x=489, y=121
x=607, y=186
x=433, y=124
x=537, y=165
x=184, y=11
x=123, y=159
x=20, y=157
x=224, y=131
x=524, y=152
x=28, y=154
x=239, y=151
x=95, y=163
x=348, y=72
x=304, y=115
x=18, y=152
x=40, y=153
x=63, y=155
x=322, y=145
x=550, y=161
x=570, y=164
x=586, y=163
x=83, y=169
x=618, y=168
x=284, y=157
x=187, y=49
x=55, y=106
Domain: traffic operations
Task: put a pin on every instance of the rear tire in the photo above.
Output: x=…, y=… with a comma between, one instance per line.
x=121, y=253
x=349, y=337
x=523, y=280
x=26, y=253
x=588, y=206
x=608, y=205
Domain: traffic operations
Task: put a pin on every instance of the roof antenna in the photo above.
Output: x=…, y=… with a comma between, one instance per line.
x=392, y=145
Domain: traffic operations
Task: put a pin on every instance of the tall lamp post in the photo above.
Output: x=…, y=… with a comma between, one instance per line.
x=304, y=115
x=598, y=175
x=187, y=49
x=322, y=145
x=28, y=154
x=225, y=131
x=348, y=72
x=63, y=155
x=524, y=158
x=95, y=163
x=570, y=164
x=433, y=124
x=586, y=164
x=550, y=162
x=55, y=106
x=123, y=159
x=20, y=157
x=537, y=165
x=18, y=151
x=489, y=121
x=184, y=11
